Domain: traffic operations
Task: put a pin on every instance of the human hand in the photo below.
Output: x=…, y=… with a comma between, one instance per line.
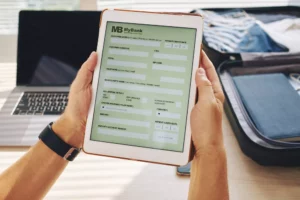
x=206, y=116
x=70, y=127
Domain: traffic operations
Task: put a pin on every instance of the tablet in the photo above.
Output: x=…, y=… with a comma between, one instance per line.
x=143, y=86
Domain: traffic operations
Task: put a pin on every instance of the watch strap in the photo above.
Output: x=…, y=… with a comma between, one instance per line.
x=57, y=145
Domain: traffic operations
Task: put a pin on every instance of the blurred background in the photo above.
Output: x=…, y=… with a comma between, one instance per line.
x=122, y=179
x=9, y=10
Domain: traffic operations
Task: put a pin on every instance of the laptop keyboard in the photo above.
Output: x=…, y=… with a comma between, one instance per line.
x=42, y=103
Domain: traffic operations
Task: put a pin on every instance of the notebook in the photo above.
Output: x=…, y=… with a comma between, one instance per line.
x=272, y=103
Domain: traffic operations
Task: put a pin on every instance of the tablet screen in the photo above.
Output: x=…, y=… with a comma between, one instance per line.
x=144, y=86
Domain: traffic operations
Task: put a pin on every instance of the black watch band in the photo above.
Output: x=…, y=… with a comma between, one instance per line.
x=57, y=145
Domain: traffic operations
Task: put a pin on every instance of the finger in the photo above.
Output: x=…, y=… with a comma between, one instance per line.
x=205, y=90
x=212, y=76
x=85, y=74
x=91, y=62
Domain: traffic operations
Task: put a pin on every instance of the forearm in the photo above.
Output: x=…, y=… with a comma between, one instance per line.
x=33, y=175
x=209, y=175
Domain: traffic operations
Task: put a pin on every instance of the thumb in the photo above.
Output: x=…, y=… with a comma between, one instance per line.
x=205, y=90
x=85, y=74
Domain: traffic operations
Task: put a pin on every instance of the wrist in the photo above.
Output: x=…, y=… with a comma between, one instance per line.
x=69, y=131
x=211, y=152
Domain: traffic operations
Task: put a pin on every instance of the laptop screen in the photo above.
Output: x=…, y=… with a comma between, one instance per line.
x=52, y=45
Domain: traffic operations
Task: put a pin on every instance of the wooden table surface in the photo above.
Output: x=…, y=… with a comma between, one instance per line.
x=92, y=177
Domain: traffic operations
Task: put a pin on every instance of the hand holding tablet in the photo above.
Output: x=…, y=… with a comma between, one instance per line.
x=140, y=85
x=143, y=91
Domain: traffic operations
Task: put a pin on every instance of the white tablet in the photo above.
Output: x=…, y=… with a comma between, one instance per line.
x=143, y=86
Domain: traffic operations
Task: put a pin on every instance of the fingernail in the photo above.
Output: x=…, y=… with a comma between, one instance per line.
x=201, y=71
x=91, y=54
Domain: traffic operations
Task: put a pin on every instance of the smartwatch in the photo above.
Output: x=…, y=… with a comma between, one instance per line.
x=61, y=148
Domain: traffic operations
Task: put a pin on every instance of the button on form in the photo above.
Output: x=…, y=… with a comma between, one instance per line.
x=166, y=127
x=168, y=45
x=144, y=100
x=165, y=137
x=178, y=104
x=184, y=46
x=174, y=128
x=112, y=96
x=176, y=46
x=158, y=126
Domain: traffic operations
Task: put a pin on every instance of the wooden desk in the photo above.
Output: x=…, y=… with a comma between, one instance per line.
x=92, y=177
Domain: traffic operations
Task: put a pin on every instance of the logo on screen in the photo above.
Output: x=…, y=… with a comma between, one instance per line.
x=126, y=30
x=118, y=29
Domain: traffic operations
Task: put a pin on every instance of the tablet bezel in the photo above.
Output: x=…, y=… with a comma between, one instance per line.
x=133, y=152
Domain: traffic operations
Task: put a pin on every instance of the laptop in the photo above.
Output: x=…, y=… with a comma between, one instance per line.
x=52, y=45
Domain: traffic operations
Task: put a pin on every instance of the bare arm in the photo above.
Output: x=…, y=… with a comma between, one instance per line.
x=209, y=167
x=209, y=176
x=33, y=175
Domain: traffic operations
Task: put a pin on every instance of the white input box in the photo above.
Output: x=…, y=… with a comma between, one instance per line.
x=158, y=126
x=140, y=88
x=178, y=104
x=167, y=115
x=176, y=46
x=169, y=56
x=166, y=127
x=174, y=128
x=184, y=46
x=168, y=68
x=168, y=45
x=138, y=42
x=125, y=52
x=144, y=100
x=123, y=109
x=171, y=80
x=126, y=75
x=112, y=96
x=126, y=64
x=121, y=133
x=165, y=137
x=129, y=122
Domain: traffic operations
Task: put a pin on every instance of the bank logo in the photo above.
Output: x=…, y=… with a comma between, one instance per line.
x=118, y=29
x=126, y=30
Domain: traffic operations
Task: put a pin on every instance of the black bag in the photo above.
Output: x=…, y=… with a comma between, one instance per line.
x=258, y=147
x=261, y=149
